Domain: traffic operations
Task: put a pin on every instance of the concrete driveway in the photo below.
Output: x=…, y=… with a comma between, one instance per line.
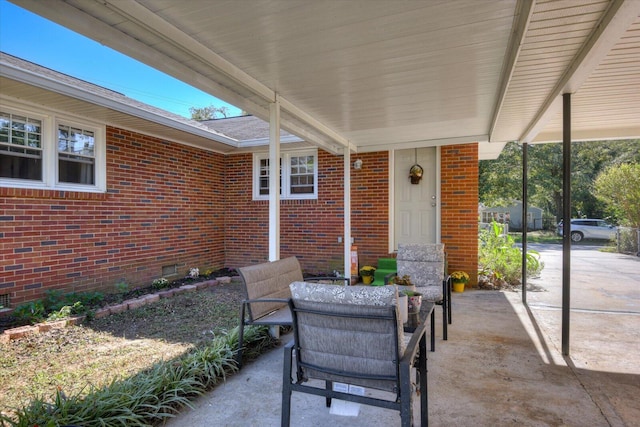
x=604, y=322
x=600, y=281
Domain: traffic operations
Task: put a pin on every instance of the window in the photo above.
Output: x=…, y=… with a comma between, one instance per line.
x=500, y=217
x=76, y=159
x=298, y=175
x=20, y=147
x=49, y=151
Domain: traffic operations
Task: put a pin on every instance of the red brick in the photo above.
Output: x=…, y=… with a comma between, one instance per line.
x=170, y=204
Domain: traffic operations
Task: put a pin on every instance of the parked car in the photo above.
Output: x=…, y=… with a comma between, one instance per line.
x=587, y=228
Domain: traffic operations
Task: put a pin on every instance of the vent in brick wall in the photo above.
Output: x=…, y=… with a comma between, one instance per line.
x=169, y=270
x=4, y=301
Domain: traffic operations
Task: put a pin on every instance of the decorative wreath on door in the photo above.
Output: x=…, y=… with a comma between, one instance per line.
x=416, y=171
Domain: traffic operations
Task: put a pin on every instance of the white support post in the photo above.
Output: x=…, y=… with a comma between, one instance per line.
x=274, y=180
x=347, y=211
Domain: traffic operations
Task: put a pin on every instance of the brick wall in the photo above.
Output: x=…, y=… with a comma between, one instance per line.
x=309, y=229
x=171, y=204
x=459, y=193
x=164, y=206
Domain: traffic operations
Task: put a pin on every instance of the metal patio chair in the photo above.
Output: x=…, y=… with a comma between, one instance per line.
x=348, y=342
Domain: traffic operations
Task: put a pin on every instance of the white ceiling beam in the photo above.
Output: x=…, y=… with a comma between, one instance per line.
x=402, y=145
x=615, y=22
x=307, y=118
x=590, y=135
x=524, y=9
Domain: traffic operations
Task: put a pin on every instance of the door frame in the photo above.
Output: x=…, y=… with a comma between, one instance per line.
x=391, y=209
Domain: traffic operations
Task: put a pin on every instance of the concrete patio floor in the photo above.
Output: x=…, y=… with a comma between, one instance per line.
x=502, y=364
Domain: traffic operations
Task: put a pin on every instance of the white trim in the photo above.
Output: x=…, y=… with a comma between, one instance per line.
x=392, y=195
x=524, y=12
x=49, y=140
x=424, y=143
x=285, y=158
x=274, y=181
x=347, y=213
x=439, y=194
x=616, y=21
x=392, y=198
x=123, y=106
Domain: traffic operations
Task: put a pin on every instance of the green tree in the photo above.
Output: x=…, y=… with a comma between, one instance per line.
x=545, y=177
x=501, y=179
x=208, y=113
x=618, y=186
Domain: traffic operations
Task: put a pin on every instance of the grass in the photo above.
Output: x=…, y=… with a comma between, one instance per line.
x=538, y=237
x=79, y=359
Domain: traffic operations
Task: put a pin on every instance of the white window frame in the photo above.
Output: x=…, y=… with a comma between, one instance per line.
x=285, y=175
x=49, y=141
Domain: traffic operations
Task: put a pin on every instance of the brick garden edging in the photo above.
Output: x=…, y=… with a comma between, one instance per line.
x=130, y=304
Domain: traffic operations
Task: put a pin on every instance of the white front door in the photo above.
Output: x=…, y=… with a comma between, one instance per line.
x=415, y=205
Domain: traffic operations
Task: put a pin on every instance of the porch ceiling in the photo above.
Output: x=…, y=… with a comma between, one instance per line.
x=378, y=74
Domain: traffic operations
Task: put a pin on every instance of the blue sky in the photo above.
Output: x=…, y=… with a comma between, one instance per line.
x=28, y=36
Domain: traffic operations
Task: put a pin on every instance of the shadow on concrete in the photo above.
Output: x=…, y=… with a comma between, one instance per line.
x=498, y=368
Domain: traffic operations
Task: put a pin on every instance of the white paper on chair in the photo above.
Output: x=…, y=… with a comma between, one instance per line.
x=342, y=407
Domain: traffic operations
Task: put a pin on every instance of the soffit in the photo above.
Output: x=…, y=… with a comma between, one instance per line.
x=608, y=104
x=375, y=75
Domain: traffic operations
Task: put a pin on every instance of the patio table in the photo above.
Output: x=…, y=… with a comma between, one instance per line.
x=426, y=312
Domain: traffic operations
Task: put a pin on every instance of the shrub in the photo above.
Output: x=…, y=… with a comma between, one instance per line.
x=160, y=283
x=31, y=312
x=499, y=258
x=57, y=305
x=149, y=397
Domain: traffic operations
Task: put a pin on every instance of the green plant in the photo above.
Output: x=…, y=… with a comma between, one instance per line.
x=55, y=300
x=402, y=281
x=66, y=311
x=160, y=283
x=149, y=397
x=31, y=312
x=122, y=287
x=499, y=257
x=412, y=293
x=57, y=305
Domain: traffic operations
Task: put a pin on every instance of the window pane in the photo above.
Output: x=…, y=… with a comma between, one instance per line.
x=20, y=147
x=76, y=162
x=75, y=169
x=264, y=177
x=263, y=183
x=302, y=175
